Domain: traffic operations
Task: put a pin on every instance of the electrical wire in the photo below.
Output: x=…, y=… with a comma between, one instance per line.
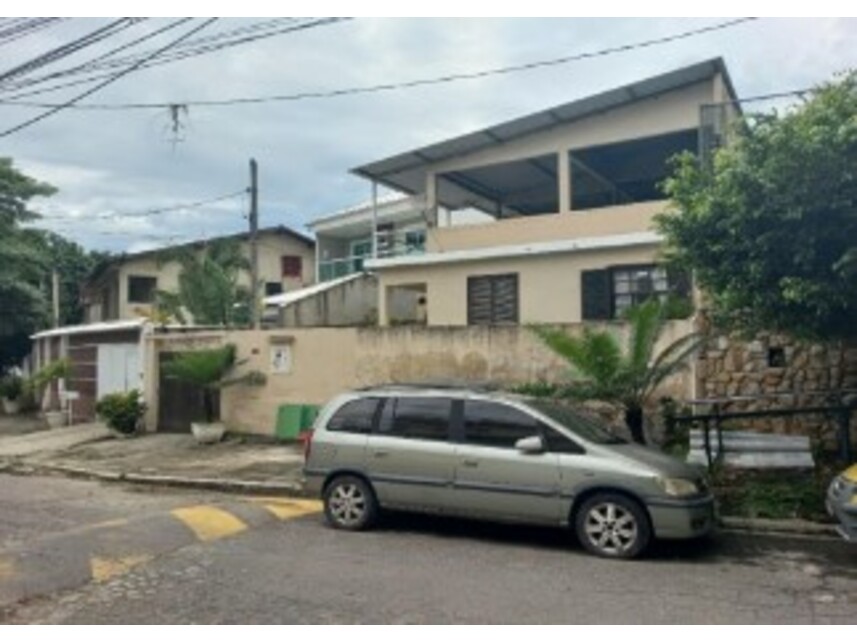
x=145, y=213
x=69, y=48
x=103, y=84
x=191, y=49
x=350, y=91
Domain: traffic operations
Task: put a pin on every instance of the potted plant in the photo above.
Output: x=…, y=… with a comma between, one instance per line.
x=210, y=369
x=43, y=380
x=122, y=412
x=11, y=391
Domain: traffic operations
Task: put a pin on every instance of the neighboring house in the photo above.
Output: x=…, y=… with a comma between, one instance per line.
x=573, y=191
x=344, y=239
x=124, y=287
x=104, y=358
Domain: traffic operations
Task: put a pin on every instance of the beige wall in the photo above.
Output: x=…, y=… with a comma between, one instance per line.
x=620, y=219
x=271, y=248
x=328, y=361
x=548, y=285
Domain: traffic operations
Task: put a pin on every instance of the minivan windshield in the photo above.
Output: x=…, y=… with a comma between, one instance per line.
x=586, y=427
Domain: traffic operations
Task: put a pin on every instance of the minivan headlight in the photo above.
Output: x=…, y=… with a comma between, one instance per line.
x=678, y=486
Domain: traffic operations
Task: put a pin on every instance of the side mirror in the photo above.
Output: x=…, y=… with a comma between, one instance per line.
x=531, y=444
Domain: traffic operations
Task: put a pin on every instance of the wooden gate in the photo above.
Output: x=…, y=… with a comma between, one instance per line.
x=179, y=403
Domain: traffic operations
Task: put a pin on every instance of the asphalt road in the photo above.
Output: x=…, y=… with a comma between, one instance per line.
x=80, y=552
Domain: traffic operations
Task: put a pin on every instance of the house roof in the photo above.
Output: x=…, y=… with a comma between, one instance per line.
x=285, y=299
x=405, y=172
x=113, y=260
x=97, y=327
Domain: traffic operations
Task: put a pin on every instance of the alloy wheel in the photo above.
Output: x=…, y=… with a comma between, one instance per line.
x=348, y=504
x=611, y=528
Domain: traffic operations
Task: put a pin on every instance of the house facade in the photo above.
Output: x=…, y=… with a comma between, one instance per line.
x=572, y=192
x=124, y=287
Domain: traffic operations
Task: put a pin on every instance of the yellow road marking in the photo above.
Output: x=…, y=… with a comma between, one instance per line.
x=209, y=523
x=106, y=568
x=286, y=508
x=7, y=569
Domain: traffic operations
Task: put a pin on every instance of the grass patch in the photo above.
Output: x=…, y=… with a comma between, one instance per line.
x=772, y=494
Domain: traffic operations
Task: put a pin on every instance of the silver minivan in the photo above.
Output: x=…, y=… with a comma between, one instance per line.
x=500, y=457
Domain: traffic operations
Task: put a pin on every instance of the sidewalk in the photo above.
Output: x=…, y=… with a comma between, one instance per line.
x=240, y=464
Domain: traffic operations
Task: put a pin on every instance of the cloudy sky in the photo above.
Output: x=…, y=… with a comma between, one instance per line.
x=115, y=162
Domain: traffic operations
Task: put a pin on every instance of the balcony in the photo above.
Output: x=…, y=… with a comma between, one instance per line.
x=598, y=222
x=410, y=242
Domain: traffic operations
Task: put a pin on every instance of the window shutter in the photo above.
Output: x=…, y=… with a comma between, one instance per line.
x=478, y=300
x=595, y=294
x=505, y=300
x=292, y=265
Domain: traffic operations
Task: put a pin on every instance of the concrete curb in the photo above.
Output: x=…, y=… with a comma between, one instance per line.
x=215, y=484
x=781, y=527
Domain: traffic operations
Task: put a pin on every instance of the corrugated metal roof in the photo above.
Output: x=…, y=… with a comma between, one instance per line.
x=405, y=172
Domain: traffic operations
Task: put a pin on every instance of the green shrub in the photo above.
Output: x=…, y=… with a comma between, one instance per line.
x=540, y=388
x=121, y=411
x=11, y=387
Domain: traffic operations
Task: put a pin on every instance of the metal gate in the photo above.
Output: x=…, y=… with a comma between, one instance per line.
x=179, y=403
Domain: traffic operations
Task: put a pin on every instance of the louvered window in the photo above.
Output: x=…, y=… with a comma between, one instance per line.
x=492, y=299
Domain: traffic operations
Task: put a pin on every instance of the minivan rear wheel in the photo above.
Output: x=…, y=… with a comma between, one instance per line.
x=349, y=503
x=613, y=526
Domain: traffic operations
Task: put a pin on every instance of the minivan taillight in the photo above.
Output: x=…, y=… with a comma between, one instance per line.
x=305, y=436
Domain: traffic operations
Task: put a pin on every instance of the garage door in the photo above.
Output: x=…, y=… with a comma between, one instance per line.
x=118, y=368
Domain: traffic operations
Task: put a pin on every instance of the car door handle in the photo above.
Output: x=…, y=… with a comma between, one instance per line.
x=380, y=454
x=470, y=463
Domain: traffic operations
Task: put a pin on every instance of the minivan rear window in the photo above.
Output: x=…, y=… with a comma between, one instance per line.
x=356, y=416
x=578, y=423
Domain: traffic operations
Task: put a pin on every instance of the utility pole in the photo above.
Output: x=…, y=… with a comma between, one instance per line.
x=254, y=250
x=55, y=292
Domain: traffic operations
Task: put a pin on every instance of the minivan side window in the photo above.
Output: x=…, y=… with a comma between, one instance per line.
x=417, y=418
x=557, y=442
x=356, y=416
x=497, y=425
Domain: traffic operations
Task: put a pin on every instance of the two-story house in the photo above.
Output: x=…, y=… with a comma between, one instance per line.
x=124, y=287
x=572, y=190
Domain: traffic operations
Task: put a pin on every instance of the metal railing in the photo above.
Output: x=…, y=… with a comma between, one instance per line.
x=389, y=245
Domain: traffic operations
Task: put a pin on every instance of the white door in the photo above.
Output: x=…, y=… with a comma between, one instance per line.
x=118, y=368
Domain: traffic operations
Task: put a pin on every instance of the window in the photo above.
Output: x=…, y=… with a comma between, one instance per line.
x=415, y=241
x=609, y=293
x=497, y=425
x=141, y=290
x=292, y=266
x=588, y=428
x=419, y=418
x=492, y=299
x=556, y=442
x=273, y=288
x=356, y=416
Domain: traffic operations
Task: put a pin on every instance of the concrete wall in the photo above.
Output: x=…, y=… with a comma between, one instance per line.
x=328, y=361
x=601, y=222
x=353, y=303
x=548, y=286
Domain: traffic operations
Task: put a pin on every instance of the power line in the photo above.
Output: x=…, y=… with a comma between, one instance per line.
x=406, y=84
x=67, y=49
x=147, y=213
x=110, y=80
x=189, y=49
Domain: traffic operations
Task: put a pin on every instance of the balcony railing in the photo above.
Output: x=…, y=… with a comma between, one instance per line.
x=389, y=245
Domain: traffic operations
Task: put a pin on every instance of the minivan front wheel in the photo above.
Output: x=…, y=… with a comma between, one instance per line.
x=613, y=526
x=349, y=503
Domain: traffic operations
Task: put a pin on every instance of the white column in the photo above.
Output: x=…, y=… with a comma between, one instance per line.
x=564, y=178
x=374, y=219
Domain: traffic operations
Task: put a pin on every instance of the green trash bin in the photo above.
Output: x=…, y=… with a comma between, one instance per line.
x=292, y=419
x=289, y=421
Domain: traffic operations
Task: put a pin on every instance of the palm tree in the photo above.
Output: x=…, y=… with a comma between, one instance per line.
x=208, y=285
x=604, y=369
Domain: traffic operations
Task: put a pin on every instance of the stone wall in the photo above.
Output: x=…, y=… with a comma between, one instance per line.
x=774, y=371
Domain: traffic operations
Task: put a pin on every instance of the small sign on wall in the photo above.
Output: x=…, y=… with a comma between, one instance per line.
x=281, y=359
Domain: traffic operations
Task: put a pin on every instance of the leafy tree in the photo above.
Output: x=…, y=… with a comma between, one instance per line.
x=208, y=285
x=605, y=369
x=23, y=305
x=770, y=226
